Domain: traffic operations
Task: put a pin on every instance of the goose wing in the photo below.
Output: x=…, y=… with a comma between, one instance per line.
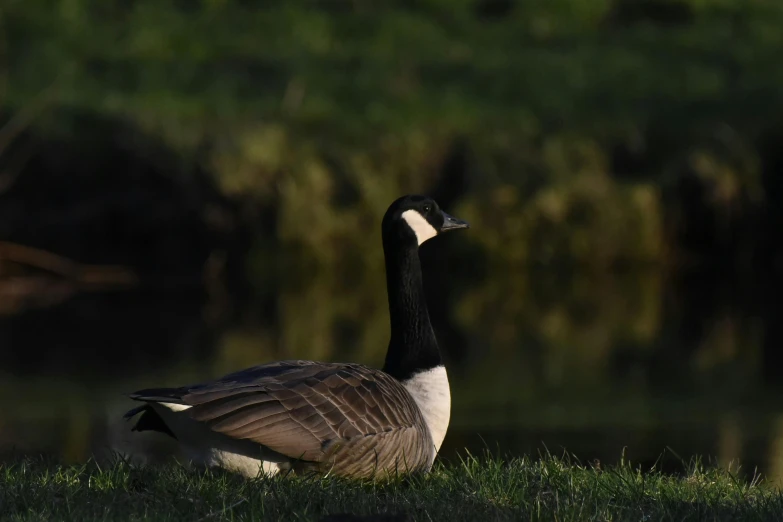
x=304, y=410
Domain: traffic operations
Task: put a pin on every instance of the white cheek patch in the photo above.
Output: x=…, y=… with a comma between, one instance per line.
x=420, y=226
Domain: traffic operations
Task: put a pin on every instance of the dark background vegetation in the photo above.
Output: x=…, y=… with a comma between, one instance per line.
x=189, y=187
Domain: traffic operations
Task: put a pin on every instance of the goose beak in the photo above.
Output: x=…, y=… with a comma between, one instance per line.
x=452, y=223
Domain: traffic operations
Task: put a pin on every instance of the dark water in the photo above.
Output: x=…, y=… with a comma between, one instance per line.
x=599, y=366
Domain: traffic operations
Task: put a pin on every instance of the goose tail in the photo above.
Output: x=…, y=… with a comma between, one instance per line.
x=149, y=420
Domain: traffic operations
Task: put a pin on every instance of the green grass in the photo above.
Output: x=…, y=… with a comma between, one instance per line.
x=475, y=489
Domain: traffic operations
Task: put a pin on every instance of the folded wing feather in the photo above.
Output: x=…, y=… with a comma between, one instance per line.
x=316, y=412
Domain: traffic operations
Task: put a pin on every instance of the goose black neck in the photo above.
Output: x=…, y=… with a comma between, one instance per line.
x=413, y=347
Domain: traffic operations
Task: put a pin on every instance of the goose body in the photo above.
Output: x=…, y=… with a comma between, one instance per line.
x=339, y=418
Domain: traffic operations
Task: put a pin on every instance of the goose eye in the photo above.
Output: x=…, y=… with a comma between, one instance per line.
x=427, y=208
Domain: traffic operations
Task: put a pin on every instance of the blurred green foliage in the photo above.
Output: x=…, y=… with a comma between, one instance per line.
x=578, y=117
x=564, y=130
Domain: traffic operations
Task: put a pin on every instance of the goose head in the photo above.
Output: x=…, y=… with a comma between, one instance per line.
x=411, y=220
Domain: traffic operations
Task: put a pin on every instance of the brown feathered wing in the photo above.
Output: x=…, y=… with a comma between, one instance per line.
x=348, y=417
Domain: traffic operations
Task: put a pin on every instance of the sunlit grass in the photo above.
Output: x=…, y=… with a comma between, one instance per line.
x=549, y=488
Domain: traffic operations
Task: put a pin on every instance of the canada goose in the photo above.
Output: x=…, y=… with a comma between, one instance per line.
x=345, y=419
